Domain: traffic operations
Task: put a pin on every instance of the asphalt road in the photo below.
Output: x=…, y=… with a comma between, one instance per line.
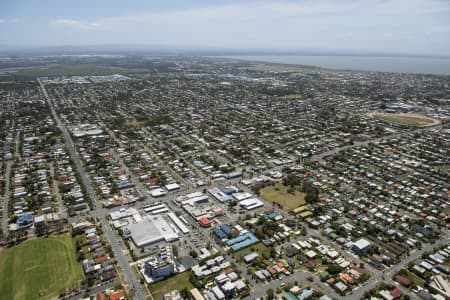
x=130, y=174
x=6, y=198
x=99, y=212
x=92, y=290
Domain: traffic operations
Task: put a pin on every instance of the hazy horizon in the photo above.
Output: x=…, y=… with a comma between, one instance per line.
x=93, y=50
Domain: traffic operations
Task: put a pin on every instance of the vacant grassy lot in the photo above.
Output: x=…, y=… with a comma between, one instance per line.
x=292, y=97
x=39, y=268
x=278, y=194
x=407, y=119
x=177, y=282
x=258, y=248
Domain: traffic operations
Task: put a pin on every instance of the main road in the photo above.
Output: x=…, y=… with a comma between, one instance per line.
x=6, y=198
x=99, y=211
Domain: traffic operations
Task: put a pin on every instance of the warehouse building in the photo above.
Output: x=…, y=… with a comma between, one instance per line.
x=150, y=230
x=251, y=203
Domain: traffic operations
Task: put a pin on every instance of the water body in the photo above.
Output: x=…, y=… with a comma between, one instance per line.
x=418, y=65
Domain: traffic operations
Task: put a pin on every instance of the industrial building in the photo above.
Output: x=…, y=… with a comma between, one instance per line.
x=192, y=199
x=251, y=203
x=178, y=222
x=150, y=230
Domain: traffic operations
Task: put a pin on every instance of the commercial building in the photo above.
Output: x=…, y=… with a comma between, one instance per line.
x=192, y=199
x=161, y=265
x=219, y=195
x=242, y=241
x=204, y=222
x=178, y=222
x=251, y=203
x=150, y=230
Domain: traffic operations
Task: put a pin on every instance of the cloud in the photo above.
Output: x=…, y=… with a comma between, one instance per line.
x=74, y=23
x=9, y=21
x=375, y=25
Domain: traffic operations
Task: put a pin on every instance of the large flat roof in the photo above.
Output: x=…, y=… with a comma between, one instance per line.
x=152, y=229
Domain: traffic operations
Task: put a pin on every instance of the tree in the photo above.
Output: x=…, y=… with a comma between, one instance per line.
x=270, y=294
x=334, y=269
x=185, y=293
x=311, y=198
x=193, y=253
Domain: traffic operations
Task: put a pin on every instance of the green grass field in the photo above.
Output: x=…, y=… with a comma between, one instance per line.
x=412, y=120
x=292, y=97
x=39, y=268
x=177, y=282
x=278, y=194
x=258, y=248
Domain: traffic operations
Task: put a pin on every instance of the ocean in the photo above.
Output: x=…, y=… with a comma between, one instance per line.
x=417, y=65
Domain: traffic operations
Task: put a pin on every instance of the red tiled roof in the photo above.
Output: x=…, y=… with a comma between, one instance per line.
x=117, y=295
x=396, y=293
x=330, y=280
x=400, y=214
x=101, y=259
x=204, y=221
x=402, y=280
x=101, y=296
x=272, y=270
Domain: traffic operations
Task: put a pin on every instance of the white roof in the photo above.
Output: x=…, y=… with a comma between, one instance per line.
x=150, y=230
x=249, y=202
x=242, y=196
x=172, y=186
x=157, y=192
x=117, y=215
x=361, y=243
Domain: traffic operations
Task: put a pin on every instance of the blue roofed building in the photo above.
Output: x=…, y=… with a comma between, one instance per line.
x=219, y=233
x=124, y=185
x=25, y=220
x=228, y=190
x=272, y=215
x=242, y=241
x=226, y=229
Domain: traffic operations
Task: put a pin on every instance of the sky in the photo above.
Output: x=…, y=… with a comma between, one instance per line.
x=363, y=26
